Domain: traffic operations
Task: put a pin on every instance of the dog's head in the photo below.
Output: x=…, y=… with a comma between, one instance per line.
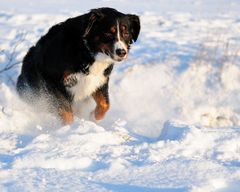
x=111, y=32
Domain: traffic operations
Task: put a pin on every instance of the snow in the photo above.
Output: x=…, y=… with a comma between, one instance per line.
x=174, y=122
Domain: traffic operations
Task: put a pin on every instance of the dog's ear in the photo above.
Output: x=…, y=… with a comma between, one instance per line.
x=135, y=26
x=93, y=16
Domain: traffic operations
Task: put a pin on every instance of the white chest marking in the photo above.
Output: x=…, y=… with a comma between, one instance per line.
x=88, y=84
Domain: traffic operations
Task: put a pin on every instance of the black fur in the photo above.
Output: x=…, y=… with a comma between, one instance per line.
x=70, y=47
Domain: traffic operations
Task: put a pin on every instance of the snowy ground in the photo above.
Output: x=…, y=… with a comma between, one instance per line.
x=174, y=123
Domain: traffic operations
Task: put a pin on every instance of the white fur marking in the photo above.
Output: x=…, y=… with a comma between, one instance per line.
x=88, y=84
x=119, y=44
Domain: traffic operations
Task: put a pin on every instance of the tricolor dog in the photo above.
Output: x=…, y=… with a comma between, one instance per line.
x=74, y=60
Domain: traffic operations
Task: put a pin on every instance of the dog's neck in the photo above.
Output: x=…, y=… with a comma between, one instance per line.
x=85, y=42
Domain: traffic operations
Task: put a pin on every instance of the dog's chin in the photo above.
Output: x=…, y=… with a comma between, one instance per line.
x=115, y=57
x=118, y=59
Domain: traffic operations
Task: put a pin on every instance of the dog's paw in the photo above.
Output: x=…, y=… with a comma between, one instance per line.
x=92, y=117
x=70, y=81
x=95, y=116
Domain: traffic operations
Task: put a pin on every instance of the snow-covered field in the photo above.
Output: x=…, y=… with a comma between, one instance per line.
x=174, y=123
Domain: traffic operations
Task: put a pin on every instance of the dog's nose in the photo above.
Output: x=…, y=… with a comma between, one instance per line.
x=121, y=52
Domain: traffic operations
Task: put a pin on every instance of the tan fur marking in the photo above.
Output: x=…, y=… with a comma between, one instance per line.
x=113, y=29
x=66, y=116
x=102, y=105
x=66, y=74
x=123, y=27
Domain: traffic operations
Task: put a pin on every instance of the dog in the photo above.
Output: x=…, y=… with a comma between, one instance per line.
x=74, y=59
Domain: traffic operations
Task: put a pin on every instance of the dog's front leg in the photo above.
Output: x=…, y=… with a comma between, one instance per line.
x=64, y=109
x=102, y=102
x=66, y=116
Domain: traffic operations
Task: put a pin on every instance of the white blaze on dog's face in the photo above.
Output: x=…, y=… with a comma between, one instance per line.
x=112, y=33
x=120, y=46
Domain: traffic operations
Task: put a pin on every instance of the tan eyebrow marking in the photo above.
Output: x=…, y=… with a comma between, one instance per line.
x=113, y=29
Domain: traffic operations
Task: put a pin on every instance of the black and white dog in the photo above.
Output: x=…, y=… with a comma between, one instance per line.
x=74, y=60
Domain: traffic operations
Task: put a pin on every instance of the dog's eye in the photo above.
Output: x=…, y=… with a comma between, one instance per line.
x=126, y=35
x=109, y=35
